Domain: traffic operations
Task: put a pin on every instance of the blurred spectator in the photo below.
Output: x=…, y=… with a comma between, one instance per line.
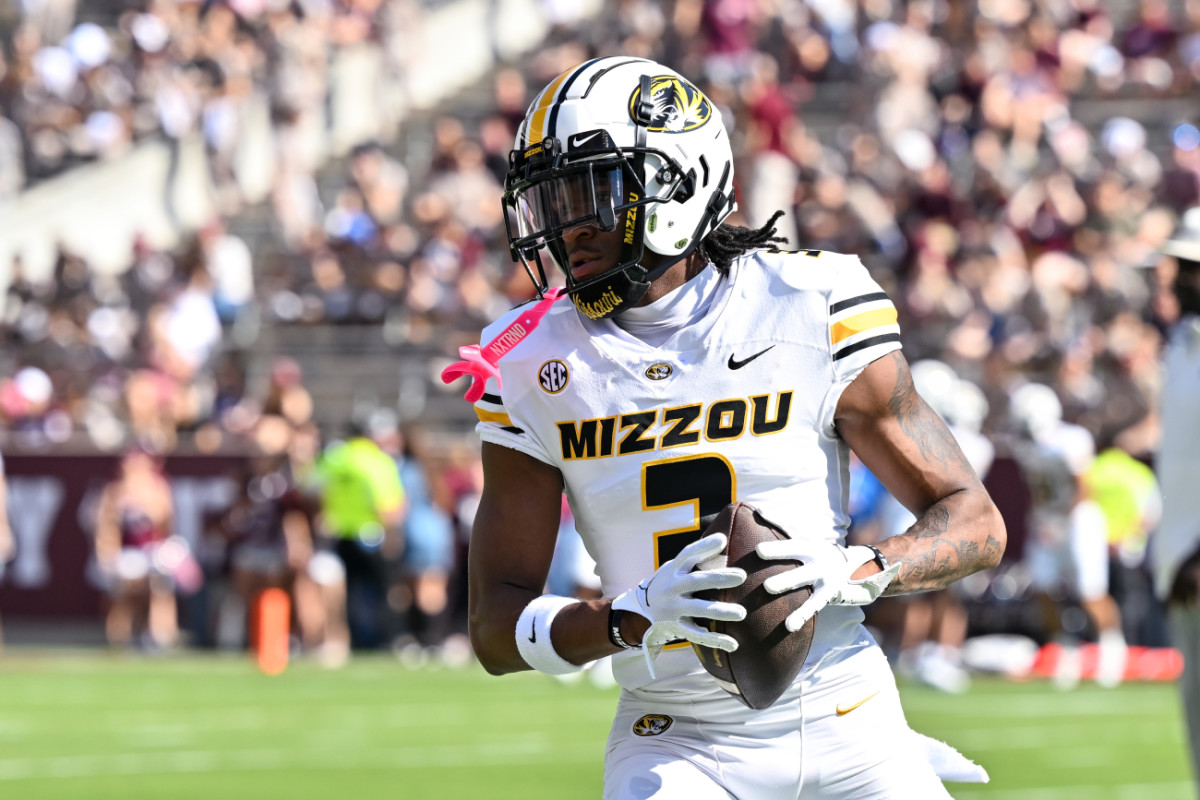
x=463, y=477
x=286, y=394
x=428, y=545
x=229, y=263
x=381, y=180
x=134, y=527
x=28, y=405
x=318, y=577
x=269, y=540
x=729, y=28
x=8, y=545
x=12, y=168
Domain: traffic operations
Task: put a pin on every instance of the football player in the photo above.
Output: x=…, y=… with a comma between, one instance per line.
x=1176, y=549
x=696, y=365
x=1067, y=553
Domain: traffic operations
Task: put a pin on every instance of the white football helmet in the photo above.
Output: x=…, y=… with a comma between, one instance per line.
x=970, y=407
x=936, y=382
x=1035, y=410
x=617, y=142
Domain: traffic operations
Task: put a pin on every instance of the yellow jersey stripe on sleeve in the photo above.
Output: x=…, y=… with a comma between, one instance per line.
x=865, y=321
x=499, y=417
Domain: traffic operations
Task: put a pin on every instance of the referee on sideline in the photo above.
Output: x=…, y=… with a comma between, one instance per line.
x=1176, y=550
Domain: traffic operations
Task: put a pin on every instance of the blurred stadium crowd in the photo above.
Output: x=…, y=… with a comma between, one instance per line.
x=1007, y=169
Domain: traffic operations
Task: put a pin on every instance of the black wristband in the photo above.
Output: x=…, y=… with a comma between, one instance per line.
x=614, y=630
x=880, y=558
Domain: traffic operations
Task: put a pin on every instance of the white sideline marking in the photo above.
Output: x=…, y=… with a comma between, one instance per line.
x=1167, y=790
x=1037, y=737
x=150, y=721
x=89, y=766
x=1041, y=705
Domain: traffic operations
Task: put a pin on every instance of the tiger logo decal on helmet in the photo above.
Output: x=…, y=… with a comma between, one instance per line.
x=676, y=105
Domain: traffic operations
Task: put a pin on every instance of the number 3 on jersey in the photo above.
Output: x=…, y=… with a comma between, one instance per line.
x=707, y=482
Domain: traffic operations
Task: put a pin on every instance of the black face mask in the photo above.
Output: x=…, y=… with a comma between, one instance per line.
x=1187, y=286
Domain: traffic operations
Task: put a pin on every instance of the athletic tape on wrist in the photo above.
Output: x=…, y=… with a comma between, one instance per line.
x=533, y=635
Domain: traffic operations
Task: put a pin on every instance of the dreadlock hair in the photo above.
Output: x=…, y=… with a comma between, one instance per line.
x=727, y=242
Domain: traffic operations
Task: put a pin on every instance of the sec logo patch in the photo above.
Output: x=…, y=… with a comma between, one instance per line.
x=652, y=725
x=553, y=376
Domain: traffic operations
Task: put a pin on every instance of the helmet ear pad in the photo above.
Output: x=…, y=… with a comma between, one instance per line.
x=674, y=227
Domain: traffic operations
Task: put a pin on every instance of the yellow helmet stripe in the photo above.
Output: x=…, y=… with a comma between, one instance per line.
x=537, y=120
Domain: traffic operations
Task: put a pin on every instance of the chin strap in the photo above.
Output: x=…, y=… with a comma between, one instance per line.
x=479, y=361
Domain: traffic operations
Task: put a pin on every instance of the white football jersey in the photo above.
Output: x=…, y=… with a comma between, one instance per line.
x=652, y=442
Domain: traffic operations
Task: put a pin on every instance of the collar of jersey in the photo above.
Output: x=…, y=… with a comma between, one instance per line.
x=657, y=322
x=685, y=316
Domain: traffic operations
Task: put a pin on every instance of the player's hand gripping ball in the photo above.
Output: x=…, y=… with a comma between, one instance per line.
x=768, y=657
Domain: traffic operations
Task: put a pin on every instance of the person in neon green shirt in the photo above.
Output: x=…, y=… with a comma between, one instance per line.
x=1127, y=492
x=362, y=506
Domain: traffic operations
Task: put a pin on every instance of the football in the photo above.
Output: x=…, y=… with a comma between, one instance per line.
x=768, y=657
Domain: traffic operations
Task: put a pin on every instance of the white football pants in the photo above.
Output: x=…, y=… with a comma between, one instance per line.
x=838, y=734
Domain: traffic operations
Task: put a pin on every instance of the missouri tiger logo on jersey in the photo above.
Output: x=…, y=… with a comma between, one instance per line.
x=676, y=105
x=652, y=725
x=659, y=371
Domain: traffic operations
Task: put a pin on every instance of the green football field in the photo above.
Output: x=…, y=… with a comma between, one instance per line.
x=86, y=725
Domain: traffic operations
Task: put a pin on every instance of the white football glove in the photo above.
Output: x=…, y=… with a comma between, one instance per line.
x=666, y=599
x=827, y=569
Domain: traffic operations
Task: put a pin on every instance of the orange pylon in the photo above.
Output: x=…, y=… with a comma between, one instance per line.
x=273, y=613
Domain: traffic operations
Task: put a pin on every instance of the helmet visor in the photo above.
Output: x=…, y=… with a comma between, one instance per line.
x=588, y=195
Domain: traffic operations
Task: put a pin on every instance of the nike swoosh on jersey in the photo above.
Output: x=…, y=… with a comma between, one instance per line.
x=844, y=710
x=735, y=364
x=533, y=632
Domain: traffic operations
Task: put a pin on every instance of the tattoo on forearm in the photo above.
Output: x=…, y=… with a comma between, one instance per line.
x=919, y=422
x=931, y=557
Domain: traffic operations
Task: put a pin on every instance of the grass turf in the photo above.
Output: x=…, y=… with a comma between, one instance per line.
x=95, y=726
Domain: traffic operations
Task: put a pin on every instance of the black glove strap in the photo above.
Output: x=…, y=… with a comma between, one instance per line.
x=880, y=558
x=614, y=630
